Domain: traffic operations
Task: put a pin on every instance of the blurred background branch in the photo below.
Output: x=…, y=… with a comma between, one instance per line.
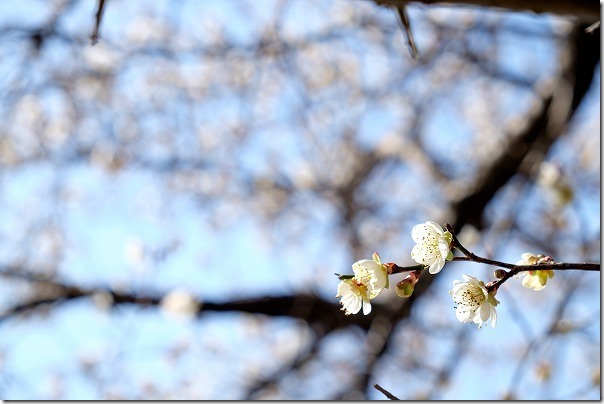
x=587, y=11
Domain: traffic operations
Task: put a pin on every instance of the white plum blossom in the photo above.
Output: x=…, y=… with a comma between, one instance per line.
x=536, y=279
x=528, y=259
x=474, y=302
x=370, y=278
x=432, y=246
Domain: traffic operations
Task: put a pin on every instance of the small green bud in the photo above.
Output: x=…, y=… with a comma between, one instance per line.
x=405, y=288
x=499, y=273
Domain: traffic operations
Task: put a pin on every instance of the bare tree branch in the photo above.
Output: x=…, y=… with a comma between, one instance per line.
x=94, y=37
x=587, y=11
x=385, y=392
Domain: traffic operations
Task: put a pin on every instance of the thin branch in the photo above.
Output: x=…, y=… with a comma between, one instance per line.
x=94, y=37
x=514, y=269
x=404, y=21
x=395, y=269
x=587, y=11
x=385, y=392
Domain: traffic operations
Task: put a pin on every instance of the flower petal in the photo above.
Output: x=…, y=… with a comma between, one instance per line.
x=436, y=266
x=351, y=304
x=493, y=316
x=426, y=233
x=485, y=311
x=366, y=307
x=464, y=314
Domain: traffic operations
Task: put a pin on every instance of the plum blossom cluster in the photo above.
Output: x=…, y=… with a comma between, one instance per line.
x=474, y=300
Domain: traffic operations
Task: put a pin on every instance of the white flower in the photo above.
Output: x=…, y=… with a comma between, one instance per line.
x=536, y=279
x=370, y=278
x=432, y=246
x=528, y=259
x=474, y=302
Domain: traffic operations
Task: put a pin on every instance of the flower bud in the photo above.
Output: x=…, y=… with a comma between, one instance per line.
x=406, y=287
x=543, y=259
x=499, y=273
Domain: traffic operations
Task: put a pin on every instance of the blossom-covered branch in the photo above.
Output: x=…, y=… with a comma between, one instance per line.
x=535, y=279
x=558, y=266
x=475, y=301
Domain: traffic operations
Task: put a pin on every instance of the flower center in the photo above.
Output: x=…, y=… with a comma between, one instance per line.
x=362, y=287
x=471, y=297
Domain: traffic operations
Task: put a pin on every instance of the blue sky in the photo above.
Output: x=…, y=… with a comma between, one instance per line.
x=105, y=217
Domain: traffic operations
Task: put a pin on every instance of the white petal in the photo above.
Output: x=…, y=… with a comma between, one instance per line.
x=377, y=284
x=455, y=290
x=360, y=267
x=417, y=233
x=343, y=289
x=437, y=266
x=351, y=303
x=474, y=282
x=435, y=228
x=532, y=281
x=418, y=253
x=459, y=289
x=426, y=233
x=425, y=254
x=485, y=311
x=366, y=307
x=464, y=314
x=443, y=248
x=493, y=316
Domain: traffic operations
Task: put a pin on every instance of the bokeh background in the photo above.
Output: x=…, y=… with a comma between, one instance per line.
x=175, y=200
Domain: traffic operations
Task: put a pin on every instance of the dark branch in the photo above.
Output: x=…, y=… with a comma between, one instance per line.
x=588, y=11
x=404, y=20
x=385, y=392
x=94, y=37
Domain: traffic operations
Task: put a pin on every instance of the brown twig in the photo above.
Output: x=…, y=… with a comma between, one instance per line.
x=94, y=37
x=587, y=11
x=385, y=392
x=395, y=269
x=404, y=20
